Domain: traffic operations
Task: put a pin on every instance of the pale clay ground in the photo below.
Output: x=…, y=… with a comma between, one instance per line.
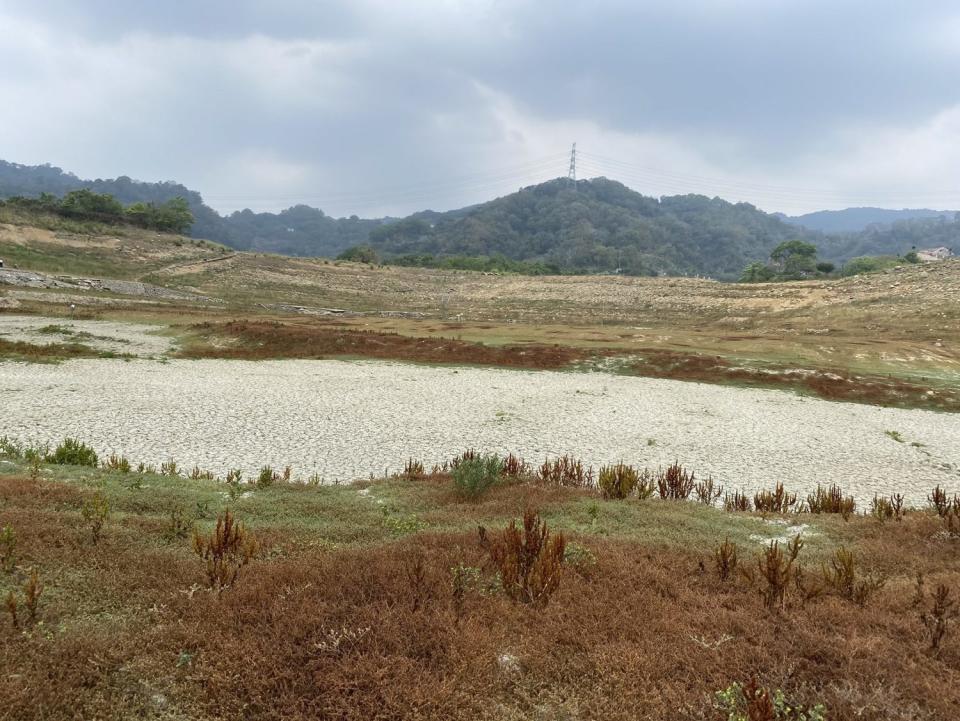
x=347, y=420
x=131, y=338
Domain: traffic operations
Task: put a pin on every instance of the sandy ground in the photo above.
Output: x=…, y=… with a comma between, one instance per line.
x=139, y=340
x=347, y=420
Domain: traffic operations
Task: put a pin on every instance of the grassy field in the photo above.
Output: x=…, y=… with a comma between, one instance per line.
x=380, y=600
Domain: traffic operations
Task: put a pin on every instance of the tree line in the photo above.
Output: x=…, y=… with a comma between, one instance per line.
x=171, y=216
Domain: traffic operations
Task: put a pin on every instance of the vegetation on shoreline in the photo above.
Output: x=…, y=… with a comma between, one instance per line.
x=297, y=601
x=51, y=352
x=261, y=340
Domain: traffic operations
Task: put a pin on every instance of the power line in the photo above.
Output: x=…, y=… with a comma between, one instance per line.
x=496, y=175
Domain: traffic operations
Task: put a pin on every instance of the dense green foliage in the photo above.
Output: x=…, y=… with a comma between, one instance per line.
x=896, y=239
x=481, y=263
x=797, y=260
x=473, y=477
x=600, y=226
x=172, y=216
x=73, y=452
x=300, y=230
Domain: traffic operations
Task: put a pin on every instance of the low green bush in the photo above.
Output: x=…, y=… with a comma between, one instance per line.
x=474, y=477
x=73, y=453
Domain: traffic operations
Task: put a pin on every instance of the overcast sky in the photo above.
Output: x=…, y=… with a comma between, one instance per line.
x=386, y=107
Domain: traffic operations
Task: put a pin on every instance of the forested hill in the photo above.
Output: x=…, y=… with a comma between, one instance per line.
x=300, y=230
x=598, y=226
x=32, y=180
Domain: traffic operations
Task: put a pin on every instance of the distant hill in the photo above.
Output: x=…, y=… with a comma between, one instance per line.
x=598, y=226
x=896, y=239
x=854, y=220
x=300, y=230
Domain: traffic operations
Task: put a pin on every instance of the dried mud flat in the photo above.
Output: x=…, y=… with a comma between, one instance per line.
x=349, y=419
x=129, y=338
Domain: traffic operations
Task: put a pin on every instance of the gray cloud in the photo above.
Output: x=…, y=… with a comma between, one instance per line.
x=387, y=107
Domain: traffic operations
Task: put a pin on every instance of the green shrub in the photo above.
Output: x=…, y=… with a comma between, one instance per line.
x=474, y=477
x=617, y=481
x=267, y=477
x=73, y=453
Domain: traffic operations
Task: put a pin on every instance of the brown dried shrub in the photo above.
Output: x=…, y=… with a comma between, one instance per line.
x=831, y=500
x=225, y=551
x=413, y=470
x=739, y=501
x=936, y=621
x=31, y=595
x=940, y=501
x=529, y=559
x=675, y=483
x=708, y=492
x=775, y=501
x=725, y=559
x=514, y=467
x=843, y=579
x=565, y=471
x=777, y=570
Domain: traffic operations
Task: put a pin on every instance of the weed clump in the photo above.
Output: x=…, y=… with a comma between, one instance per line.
x=178, y=527
x=199, y=475
x=565, y=471
x=841, y=577
x=528, y=559
x=941, y=502
x=413, y=470
x=936, y=621
x=617, y=481
x=707, y=492
x=225, y=551
x=117, y=463
x=676, y=483
x=71, y=452
x=515, y=467
x=775, y=501
x=725, y=559
x=884, y=508
x=831, y=500
x=777, y=570
x=94, y=512
x=474, y=477
x=32, y=591
x=739, y=501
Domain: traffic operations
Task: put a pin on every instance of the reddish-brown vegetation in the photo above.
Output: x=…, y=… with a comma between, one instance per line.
x=830, y=383
x=258, y=340
x=383, y=632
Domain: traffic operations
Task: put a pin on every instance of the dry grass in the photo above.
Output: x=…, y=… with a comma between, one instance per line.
x=352, y=622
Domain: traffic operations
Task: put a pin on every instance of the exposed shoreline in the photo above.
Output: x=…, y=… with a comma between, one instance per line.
x=345, y=420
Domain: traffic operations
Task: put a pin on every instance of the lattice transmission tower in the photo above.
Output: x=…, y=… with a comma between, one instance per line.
x=572, y=173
